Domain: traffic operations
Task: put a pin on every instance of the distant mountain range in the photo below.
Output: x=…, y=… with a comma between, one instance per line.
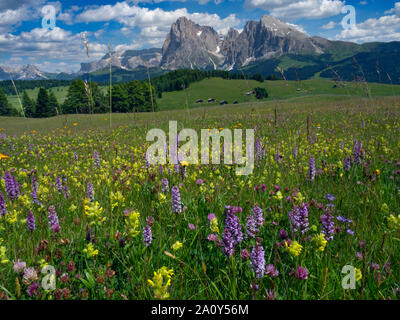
x=264, y=46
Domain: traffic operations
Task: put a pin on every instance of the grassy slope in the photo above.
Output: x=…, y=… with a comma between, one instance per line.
x=232, y=90
x=60, y=93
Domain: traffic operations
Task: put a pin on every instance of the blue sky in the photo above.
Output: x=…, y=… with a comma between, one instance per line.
x=135, y=24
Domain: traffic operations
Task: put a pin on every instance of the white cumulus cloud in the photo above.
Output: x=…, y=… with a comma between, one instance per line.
x=385, y=28
x=294, y=9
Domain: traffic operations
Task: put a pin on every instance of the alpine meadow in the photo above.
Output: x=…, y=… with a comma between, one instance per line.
x=168, y=150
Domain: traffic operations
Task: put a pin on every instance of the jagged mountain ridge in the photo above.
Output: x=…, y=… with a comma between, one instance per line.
x=189, y=44
x=128, y=60
x=25, y=72
x=259, y=47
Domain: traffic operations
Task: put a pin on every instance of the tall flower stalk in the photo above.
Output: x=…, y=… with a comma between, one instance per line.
x=176, y=200
x=110, y=56
x=87, y=85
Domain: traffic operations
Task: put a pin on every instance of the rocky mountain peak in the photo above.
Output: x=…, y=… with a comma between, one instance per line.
x=280, y=28
x=191, y=45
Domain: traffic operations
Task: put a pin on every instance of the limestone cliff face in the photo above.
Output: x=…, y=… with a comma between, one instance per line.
x=268, y=38
x=192, y=46
x=189, y=45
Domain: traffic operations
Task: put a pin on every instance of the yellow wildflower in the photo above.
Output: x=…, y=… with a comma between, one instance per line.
x=3, y=258
x=42, y=263
x=278, y=196
x=385, y=208
x=3, y=156
x=294, y=249
x=394, y=222
x=162, y=198
x=358, y=274
x=116, y=199
x=160, y=282
x=93, y=212
x=176, y=246
x=214, y=225
x=132, y=223
x=184, y=163
x=299, y=197
x=320, y=241
x=90, y=251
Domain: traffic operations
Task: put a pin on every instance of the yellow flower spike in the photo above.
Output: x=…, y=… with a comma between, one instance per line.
x=294, y=248
x=394, y=222
x=177, y=245
x=132, y=223
x=320, y=241
x=278, y=196
x=214, y=225
x=90, y=251
x=184, y=163
x=358, y=274
x=3, y=258
x=161, y=282
x=162, y=198
x=93, y=211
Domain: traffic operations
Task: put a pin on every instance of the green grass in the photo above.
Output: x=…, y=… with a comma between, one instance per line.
x=59, y=92
x=235, y=90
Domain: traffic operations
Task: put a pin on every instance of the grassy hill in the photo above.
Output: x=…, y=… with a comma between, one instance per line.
x=235, y=90
x=231, y=90
x=348, y=60
x=60, y=93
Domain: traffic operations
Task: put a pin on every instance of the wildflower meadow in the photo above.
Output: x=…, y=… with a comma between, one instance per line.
x=83, y=215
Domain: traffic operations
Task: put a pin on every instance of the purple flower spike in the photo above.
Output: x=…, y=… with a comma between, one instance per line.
x=176, y=200
x=3, y=207
x=90, y=192
x=251, y=227
x=228, y=247
x=257, y=260
x=258, y=215
x=12, y=186
x=299, y=218
x=30, y=221
x=147, y=236
x=311, y=169
x=53, y=220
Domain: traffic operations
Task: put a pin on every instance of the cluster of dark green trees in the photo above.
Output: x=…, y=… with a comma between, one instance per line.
x=46, y=105
x=134, y=96
x=21, y=85
x=181, y=79
x=6, y=108
x=260, y=93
